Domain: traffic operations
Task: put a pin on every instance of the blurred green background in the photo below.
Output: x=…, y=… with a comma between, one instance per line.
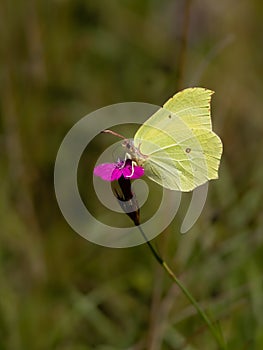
x=63, y=59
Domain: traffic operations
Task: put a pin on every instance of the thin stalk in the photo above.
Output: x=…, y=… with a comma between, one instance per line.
x=217, y=336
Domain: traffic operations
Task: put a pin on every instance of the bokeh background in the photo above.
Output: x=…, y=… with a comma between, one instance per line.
x=63, y=59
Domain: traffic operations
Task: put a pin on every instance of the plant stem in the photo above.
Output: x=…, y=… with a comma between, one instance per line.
x=217, y=336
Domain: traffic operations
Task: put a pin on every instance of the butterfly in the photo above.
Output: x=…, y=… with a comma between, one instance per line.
x=176, y=146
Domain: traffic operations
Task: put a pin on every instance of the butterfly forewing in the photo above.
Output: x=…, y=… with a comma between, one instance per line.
x=192, y=106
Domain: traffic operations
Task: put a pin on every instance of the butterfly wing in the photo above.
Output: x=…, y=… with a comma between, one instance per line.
x=182, y=150
x=192, y=105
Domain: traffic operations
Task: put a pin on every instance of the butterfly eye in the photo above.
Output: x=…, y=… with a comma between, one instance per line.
x=169, y=116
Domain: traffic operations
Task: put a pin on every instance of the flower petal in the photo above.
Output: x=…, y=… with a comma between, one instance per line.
x=105, y=171
x=138, y=172
x=116, y=174
x=134, y=170
x=113, y=171
x=127, y=171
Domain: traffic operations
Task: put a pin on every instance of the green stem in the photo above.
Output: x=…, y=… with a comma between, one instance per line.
x=218, y=337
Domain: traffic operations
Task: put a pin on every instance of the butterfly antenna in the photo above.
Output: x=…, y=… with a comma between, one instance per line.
x=113, y=133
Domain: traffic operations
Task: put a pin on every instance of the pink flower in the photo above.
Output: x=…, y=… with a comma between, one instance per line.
x=113, y=171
